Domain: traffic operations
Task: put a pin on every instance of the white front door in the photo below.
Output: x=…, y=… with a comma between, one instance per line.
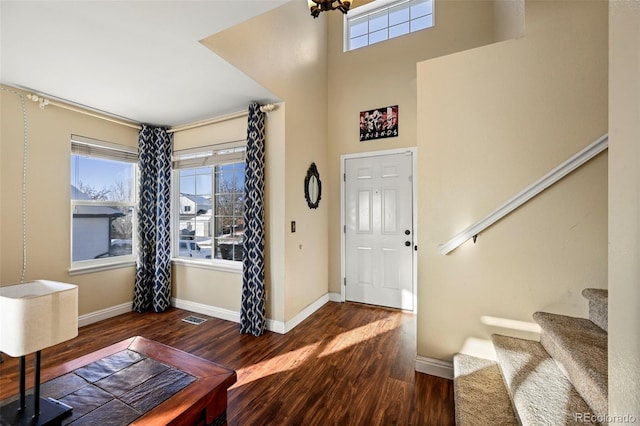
x=379, y=239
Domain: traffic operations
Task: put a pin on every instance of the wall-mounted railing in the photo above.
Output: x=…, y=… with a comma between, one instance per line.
x=528, y=193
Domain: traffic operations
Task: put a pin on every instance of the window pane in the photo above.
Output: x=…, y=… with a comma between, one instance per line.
x=196, y=181
x=187, y=186
x=358, y=27
x=229, y=203
x=101, y=232
x=194, y=239
x=399, y=30
x=378, y=36
x=211, y=212
x=378, y=21
x=422, y=23
x=421, y=8
x=399, y=14
x=397, y=18
x=103, y=197
x=230, y=178
x=102, y=180
x=359, y=42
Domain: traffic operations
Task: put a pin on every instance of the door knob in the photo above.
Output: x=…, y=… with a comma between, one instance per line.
x=407, y=243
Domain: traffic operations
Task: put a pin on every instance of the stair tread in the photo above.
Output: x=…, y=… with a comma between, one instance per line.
x=596, y=294
x=541, y=393
x=481, y=397
x=580, y=347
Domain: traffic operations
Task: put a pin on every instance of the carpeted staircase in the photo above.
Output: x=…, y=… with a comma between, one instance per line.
x=561, y=380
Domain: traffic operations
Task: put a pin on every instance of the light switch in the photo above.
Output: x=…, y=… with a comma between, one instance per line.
x=293, y=226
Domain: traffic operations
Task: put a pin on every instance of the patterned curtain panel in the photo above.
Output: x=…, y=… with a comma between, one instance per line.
x=153, y=273
x=252, y=311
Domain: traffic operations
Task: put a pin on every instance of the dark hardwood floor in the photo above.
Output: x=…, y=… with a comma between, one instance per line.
x=347, y=364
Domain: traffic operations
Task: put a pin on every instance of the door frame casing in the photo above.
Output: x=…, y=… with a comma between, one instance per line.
x=414, y=214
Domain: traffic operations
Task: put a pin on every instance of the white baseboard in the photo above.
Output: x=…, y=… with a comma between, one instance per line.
x=215, y=312
x=212, y=311
x=434, y=367
x=279, y=327
x=306, y=313
x=335, y=297
x=275, y=326
x=103, y=314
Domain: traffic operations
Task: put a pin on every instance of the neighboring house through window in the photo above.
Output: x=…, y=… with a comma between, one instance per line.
x=103, y=202
x=383, y=20
x=208, y=202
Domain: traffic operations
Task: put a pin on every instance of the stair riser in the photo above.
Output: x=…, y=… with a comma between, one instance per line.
x=540, y=392
x=586, y=386
x=598, y=306
x=599, y=314
x=480, y=395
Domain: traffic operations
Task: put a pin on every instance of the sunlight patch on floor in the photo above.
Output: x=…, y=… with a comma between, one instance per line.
x=295, y=358
x=277, y=364
x=360, y=334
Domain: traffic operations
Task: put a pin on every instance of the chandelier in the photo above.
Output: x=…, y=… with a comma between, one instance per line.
x=317, y=6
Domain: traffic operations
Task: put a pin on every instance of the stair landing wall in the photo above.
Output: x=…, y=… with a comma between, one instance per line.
x=491, y=121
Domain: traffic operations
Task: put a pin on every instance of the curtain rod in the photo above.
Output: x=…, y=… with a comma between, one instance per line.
x=263, y=108
x=208, y=122
x=44, y=102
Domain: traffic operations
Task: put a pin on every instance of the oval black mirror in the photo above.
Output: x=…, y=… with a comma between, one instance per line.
x=312, y=187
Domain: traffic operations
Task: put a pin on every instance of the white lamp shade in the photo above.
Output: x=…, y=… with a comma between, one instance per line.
x=36, y=315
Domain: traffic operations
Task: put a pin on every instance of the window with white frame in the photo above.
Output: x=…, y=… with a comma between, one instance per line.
x=103, y=202
x=386, y=19
x=209, y=202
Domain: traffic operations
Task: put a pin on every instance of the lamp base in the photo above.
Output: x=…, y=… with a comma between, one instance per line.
x=52, y=412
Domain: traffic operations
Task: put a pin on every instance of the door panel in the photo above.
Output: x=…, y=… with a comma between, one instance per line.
x=365, y=266
x=390, y=214
x=379, y=230
x=364, y=212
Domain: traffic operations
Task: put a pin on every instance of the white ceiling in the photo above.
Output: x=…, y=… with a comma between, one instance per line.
x=137, y=59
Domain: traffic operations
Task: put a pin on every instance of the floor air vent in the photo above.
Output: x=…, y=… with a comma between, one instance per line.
x=192, y=319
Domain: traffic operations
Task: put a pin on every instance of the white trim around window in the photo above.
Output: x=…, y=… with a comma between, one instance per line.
x=383, y=20
x=199, y=247
x=103, y=205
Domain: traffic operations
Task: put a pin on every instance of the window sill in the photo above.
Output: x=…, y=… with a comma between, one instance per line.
x=219, y=265
x=88, y=269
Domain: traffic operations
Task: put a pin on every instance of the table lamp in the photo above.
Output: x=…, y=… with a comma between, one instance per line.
x=34, y=316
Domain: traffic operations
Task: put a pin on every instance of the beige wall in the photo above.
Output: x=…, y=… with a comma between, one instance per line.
x=291, y=63
x=296, y=137
x=48, y=199
x=624, y=209
x=200, y=284
x=492, y=121
x=517, y=101
x=383, y=75
x=221, y=130
x=219, y=289
x=49, y=223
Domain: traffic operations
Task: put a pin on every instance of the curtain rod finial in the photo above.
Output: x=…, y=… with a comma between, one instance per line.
x=267, y=107
x=35, y=98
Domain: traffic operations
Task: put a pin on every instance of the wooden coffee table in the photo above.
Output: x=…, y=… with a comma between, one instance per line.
x=141, y=382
